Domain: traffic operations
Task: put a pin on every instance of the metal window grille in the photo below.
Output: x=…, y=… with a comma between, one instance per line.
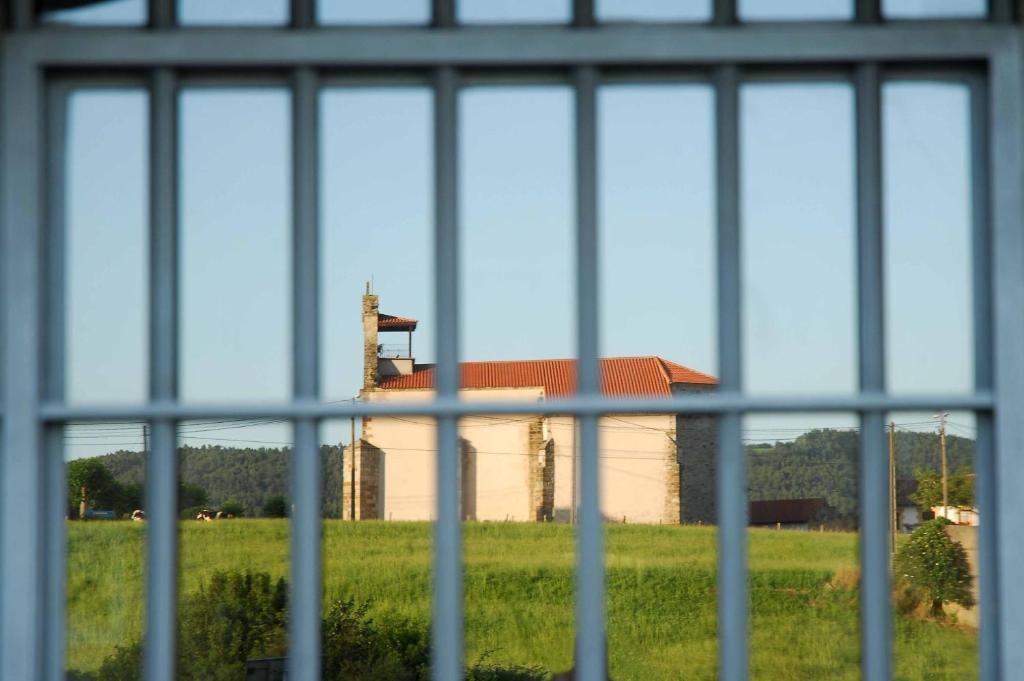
x=39, y=64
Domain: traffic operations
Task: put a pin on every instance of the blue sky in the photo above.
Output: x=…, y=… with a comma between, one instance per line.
x=516, y=208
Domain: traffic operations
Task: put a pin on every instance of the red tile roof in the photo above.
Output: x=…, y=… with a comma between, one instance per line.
x=620, y=376
x=387, y=322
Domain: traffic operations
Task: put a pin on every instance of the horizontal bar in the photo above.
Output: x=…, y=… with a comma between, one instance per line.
x=720, y=403
x=503, y=45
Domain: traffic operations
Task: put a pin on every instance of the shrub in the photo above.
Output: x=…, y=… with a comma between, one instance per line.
x=241, y=616
x=233, y=507
x=935, y=566
x=275, y=507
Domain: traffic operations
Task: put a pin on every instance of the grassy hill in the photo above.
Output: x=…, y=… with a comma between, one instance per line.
x=519, y=594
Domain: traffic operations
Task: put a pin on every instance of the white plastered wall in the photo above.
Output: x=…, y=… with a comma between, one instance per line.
x=498, y=449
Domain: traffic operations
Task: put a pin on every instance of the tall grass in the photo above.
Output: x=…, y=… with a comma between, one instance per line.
x=661, y=601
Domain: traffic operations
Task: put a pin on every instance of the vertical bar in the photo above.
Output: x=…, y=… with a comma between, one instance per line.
x=583, y=13
x=22, y=586
x=1007, y=147
x=876, y=625
x=447, y=605
x=590, y=611
x=161, y=467
x=443, y=13
x=303, y=13
x=55, y=637
x=304, y=616
x=53, y=382
x=161, y=14
x=723, y=12
x=1001, y=11
x=732, y=487
x=981, y=272
x=867, y=11
x=22, y=14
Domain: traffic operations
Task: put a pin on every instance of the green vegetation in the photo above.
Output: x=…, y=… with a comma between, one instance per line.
x=519, y=594
x=823, y=463
x=933, y=567
x=959, y=486
x=247, y=477
x=275, y=507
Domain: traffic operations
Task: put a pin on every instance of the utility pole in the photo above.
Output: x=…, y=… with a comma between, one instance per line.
x=352, y=476
x=893, y=508
x=145, y=438
x=945, y=469
x=575, y=476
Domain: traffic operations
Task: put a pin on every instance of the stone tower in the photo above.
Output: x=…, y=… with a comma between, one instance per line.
x=371, y=317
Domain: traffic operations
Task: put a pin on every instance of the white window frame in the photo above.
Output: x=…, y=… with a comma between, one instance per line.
x=39, y=63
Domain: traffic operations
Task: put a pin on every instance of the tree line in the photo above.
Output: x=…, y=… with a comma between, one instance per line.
x=243, y=481
x=823, y=464
x=254, y=482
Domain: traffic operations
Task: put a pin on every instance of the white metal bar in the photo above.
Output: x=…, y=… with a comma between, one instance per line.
x=443, y=13
x=721, y=403
x=583, y=13
x=303, y=13
x=657, y=44
x=161, y=554
x=876, y=625
x=1007, y=153
x=55, y=628
x=53, y=382
x=723, y=12
x=1001, y=11
x=304, y=613
x=447, y=604
x=731, y=498
x=590, y=616
x=161, y=481
x=867, y=11
x=21, y=14
x=161, y=13
x=981, y=271
x=22, y=584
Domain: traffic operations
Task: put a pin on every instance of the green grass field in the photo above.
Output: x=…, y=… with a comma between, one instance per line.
x=519, y=593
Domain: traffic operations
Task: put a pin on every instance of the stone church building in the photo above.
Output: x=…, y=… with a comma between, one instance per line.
x=655, y=468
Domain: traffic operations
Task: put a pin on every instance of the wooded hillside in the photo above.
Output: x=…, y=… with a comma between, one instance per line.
x=820, y=463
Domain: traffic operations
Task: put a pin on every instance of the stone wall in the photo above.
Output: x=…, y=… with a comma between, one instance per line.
x=361, y=492
x=672, y=513
x=370, y=320
x=542, y=471
x=697, y=442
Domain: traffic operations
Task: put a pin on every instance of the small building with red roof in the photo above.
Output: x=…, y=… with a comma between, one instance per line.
x=655, y=468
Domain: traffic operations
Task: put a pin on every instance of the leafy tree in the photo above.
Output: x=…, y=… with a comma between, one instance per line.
x=191, y=496
x=102, y=490
x=232, y=508
x=248, y=476
x=960, y=488
x=275, y=507
x=936, y=566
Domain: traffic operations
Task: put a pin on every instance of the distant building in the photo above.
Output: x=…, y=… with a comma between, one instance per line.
x=788, y=514
x=655, y=468
x=958, y=515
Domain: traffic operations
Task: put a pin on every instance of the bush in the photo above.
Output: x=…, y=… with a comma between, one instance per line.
x=242, y=616
x=275, y=507
x=233, y=507
x=935, y=567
